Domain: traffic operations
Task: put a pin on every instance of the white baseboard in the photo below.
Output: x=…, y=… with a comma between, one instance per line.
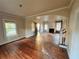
x=8, y=41
x=68, y=53
x=29, y=34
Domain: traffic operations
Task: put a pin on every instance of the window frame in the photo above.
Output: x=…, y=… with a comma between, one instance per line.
x=58, y=31
x=4, y=29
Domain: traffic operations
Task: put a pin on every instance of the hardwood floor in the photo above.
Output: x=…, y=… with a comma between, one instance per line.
x=29, y=49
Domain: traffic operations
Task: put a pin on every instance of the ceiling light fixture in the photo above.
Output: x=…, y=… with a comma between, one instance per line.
x=20, y=5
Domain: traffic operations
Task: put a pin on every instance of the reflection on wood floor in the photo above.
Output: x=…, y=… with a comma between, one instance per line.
x=40, y=47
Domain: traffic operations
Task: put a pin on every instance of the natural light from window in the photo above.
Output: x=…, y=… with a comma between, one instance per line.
x=58, y=26
x=10, y=28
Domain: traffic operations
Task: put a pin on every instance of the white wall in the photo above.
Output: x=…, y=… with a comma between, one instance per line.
x=20, y=24
x=28, y=27
x=74, y=32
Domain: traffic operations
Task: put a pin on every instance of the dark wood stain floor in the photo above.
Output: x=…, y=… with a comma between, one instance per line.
x=26, y=49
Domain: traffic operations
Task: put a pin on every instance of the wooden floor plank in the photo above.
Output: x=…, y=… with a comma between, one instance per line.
x=26, y=49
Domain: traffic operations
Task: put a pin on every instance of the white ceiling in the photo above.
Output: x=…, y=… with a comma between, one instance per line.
x=31, y=7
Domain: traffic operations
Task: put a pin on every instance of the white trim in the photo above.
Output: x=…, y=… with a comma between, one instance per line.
x=11, y=40
x=29, y=34
x=49, y=11
x=54, y=10
x=68, y=53
x=70, y=5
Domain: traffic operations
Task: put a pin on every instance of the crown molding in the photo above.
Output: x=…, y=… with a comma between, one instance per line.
x=54, y=10
x=49, y=11
x=70, y=5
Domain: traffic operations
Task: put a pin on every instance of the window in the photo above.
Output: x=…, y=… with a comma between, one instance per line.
x=46, y=26
x=58, y=25
x=10, y=28
x=38, y=27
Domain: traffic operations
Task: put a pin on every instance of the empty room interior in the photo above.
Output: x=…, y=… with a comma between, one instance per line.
x=39, y=29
